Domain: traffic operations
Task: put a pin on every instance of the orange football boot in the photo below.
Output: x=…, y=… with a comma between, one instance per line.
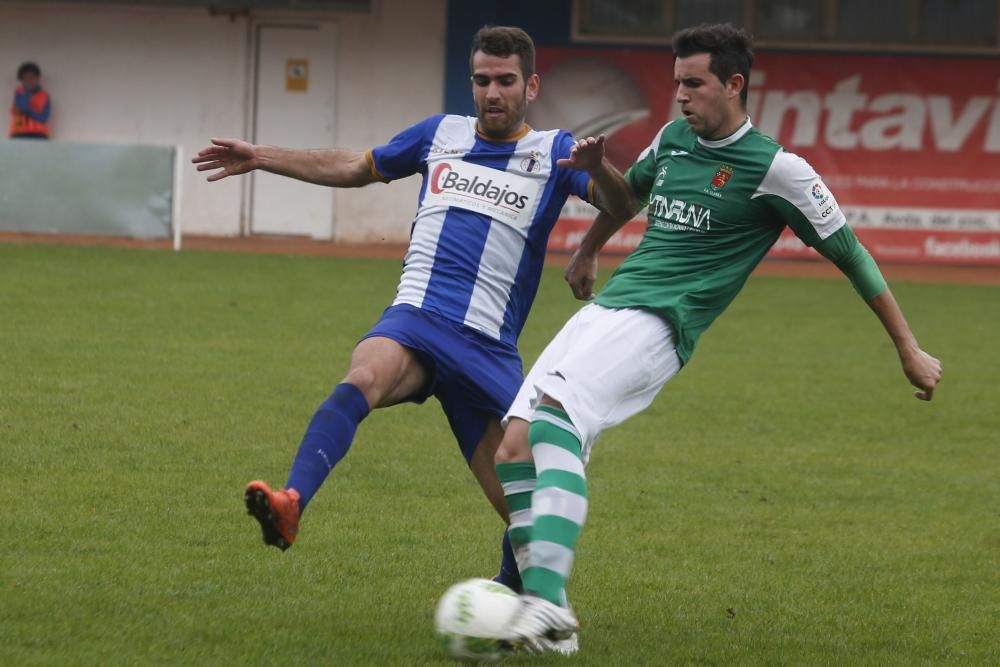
x=276, y=511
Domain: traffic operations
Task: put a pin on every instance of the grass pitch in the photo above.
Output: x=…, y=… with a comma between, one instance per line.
x=785, y=501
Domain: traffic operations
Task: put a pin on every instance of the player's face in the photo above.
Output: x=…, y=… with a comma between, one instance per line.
x=711, y=107
x=501, y=94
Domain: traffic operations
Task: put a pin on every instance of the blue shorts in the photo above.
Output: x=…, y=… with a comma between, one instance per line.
x=473, y=376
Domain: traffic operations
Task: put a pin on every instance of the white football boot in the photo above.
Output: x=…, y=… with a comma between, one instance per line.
x=540, y=626
x=562, y=646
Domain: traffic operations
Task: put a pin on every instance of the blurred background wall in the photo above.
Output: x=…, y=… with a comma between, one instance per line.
x=897, y=103
x=178, y=75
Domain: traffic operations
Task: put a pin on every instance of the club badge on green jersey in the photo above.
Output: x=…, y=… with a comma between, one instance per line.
x=722, y=176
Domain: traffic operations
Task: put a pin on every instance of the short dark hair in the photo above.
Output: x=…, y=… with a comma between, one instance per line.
x=28, y=68
x=729, y=49
x=504, y=41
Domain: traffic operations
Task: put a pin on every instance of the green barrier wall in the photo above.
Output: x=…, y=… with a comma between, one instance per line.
x=72, y=188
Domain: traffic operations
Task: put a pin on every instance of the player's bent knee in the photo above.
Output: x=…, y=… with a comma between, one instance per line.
x=508, y=456
x=514, y=447
x=361, y=377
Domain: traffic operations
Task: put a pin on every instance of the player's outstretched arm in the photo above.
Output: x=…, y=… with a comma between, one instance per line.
x=328, y=166
x=843, y=249
x=230, y=157
x=921, y=369
x=581, y=272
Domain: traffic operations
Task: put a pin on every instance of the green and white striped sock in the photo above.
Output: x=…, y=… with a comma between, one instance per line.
x=518, y=481
x=559, y=502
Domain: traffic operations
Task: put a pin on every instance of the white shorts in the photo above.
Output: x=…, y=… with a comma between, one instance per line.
x=604, y=366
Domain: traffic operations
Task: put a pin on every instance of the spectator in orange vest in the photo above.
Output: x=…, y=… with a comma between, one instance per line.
x=30, y=111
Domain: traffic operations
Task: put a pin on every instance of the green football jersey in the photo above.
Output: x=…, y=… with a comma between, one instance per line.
x=714, y=210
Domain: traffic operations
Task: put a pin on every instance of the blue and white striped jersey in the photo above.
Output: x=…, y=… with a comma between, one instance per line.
x=477, y=244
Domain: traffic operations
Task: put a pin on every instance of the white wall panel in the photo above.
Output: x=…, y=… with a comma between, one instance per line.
x=391, y=74
x=167, y=76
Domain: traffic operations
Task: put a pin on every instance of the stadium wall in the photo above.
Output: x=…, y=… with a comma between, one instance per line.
x=167, y=76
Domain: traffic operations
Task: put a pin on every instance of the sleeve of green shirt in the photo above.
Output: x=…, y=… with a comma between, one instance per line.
x=803, y=202
x=843, y=249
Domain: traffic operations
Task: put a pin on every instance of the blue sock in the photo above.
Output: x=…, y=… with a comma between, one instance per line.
x=509, y=575
x=326, y=440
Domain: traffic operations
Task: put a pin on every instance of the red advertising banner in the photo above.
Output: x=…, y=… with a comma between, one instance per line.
x=910, y=145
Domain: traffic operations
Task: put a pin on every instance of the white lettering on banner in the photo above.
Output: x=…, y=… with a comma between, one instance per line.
x=902, y=130
x=805, y=104
x=993, y=134
x=962, y=248
x=893, y=120
x=874, y=217
x=843, y=103
x=923, y=218
x=499, y=194
x=882, y=249
x=909, y=245
x=948, y=184
x=951, y=133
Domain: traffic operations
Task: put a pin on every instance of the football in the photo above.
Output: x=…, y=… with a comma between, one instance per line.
x=471, y=615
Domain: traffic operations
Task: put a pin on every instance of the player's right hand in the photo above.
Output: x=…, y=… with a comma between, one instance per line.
x=923, y=372
x=230, y=156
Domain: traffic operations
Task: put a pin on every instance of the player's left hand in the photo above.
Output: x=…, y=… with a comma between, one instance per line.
x=923, y=372
x=585, y=155
x=581, y=274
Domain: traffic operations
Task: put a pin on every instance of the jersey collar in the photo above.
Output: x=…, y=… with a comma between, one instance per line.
x=732, y=138
x=525, y=129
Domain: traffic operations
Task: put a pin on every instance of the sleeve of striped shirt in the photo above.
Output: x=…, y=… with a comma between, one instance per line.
x=406, y=153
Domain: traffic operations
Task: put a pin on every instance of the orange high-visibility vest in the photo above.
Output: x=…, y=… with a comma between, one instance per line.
x=21, y=123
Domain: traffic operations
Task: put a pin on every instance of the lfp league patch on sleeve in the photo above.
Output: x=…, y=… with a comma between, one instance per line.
x=822, y=200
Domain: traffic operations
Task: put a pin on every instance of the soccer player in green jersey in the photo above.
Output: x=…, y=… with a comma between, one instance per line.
x=718, y=194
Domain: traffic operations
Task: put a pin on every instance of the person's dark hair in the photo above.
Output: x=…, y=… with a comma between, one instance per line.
x=728, y=46
x=28, y=68
x=503, y=41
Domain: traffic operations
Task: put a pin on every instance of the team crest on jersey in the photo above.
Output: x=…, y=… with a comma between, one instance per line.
x=533, y=162
x=722, y=176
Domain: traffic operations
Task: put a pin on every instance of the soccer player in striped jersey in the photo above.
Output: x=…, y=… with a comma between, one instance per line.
x=719, y=194
x=492, y=190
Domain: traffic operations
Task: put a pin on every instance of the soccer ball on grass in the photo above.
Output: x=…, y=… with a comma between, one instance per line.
x=470, y=617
